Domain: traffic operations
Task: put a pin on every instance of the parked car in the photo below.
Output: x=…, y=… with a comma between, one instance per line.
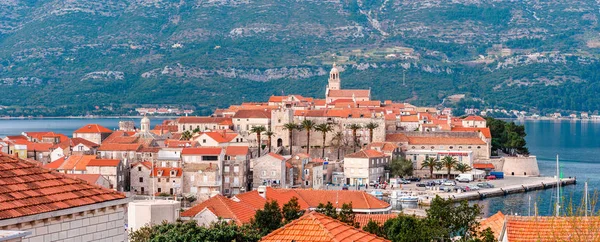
x=463, y=179
x=490, y=177
x=449, y=183
x=414, y=179
x=485, y=185
x=473, y=188
x=345, y=188
x=404, y=181
x=421, y=184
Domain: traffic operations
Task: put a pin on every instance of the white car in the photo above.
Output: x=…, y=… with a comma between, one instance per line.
x=449, y=183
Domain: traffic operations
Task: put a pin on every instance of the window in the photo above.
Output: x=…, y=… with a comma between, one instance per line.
x=158, y=179
x=227, y=179
x=139, y=168
x=210, y=158
x=141, y=179
x=226, y=169
x=273, y=173
x=159, y=190
x=264, y=173
x=164, y=164
x=478, y=147
x=450, y=147
x=205, y=178
x=192, y=178
x=306, y=172
x=142, y=189
x=236, y=169
x=236, y=180
x=204, y=141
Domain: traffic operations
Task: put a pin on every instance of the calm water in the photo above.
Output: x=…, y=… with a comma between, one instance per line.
x=577, y=143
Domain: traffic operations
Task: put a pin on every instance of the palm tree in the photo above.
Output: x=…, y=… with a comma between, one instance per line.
x=290, y=127
x=337, y=140
x=462, y=167
x=269, y=135
x=324, y=128
x=258, y=130
x=371, y=126
x=449, y=162
x=429, y=163
x=354, y=128
x=307, y=125
x=186, y=135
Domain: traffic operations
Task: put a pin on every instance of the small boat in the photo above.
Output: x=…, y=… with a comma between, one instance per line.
x=377, y=194
x=406, y=197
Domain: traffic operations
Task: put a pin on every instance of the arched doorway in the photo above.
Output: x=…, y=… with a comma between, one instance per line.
x=279, y=142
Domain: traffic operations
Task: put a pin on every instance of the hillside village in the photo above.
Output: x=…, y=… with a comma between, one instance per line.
x=290, y=146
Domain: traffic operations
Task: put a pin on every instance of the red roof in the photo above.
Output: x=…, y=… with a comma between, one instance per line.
x=534, y=229
x=314, y=226
x=494, y=222
x=349, y=93
x=236, y=150
x=55, y=164
x=398, y=138
x=244, y=113
x=147, y=164
x=474, y=118
x=104, y=162
x=27, y=189
x=201, y=120
x=74, y=142
x=89, y=178
x=366, y=153
x=202, y=151
x=166, y=171
x=279, y=157
x=363, y=219
x=422, y=140
x=119, y=147
x=383, y=146
x=93, y=128
x=39, y=147
x=485, y=131
x=224, y=208
x=483, y=166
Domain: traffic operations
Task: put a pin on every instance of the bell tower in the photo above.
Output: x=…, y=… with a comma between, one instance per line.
x=334, y=79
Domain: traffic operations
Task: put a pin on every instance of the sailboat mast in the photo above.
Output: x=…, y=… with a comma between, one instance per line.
x=586, y=198
x=557, y=187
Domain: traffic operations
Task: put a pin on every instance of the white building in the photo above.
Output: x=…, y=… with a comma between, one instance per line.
x=365, y=166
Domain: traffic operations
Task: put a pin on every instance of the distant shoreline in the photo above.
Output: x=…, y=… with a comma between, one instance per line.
x=87, y=117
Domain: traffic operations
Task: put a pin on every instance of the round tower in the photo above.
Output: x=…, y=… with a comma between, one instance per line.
x=334, y=79
x=145, y=124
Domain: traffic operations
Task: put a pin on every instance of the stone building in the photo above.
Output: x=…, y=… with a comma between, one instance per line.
x=139, y=178
x=202, y=169
x=73, y=210
x=307, y=172
x=113, y=170
x=271, y=170
x=236, y=166
x=203, y=123
x=365, y=166
x=92, y=132
x=166, y=180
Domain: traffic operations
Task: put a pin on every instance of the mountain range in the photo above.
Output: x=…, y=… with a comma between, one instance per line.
x=82, y=57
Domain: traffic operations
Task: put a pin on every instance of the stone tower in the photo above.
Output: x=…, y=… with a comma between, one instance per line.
x=334, y=79
x=145, y=124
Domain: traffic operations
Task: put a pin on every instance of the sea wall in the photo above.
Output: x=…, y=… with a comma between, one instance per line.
x=520, y=166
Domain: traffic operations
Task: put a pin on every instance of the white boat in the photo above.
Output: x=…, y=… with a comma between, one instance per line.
x=403, y=196
x=377, y=194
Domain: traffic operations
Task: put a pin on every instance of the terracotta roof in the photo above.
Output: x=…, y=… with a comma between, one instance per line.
x=16, y=137
x=93, y=128
x=494, y=222
x=27, y=189
x=483, y=166
x=74, y=142
x=288, y=165
x=224, y=208
x=40, y=147
x=166, y=127
x=74, y=162
x=474, y=118
x=55, y=164
x=421, y=140
x=366, y=153
x=252, y=114
x=221, y=136
x=534, y=229
x=314, y=226
x=485, y=131
x=173, y=143
x=200, y=120
x=202, y=151
x=147, y=164
x=383, y=146
x=166, y=171
x=236, y=150
x=398, y=138
x=89, y=178
x=104, y=162
x=348, y=93
x=279, y=157
x=119, y=147
x=363, y=219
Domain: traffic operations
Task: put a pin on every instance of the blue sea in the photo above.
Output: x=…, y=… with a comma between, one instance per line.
x=576, y=142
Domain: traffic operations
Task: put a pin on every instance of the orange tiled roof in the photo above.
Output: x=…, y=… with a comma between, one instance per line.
x=202, y=151
x=494, y=222
x=89, y=178
x=15, y=137
x=55, y=164
x=348, y=93
x=74, y=142
x=93, y=128
x=39, y=147
x=236, y=150
x=224, y=208
x=485, y=131
x=279, y=157
x=200, y=120
x=398, y=138
x=104, y=162
x=366, y=153
x=534, y=229
x=252, y=114
x=474, y=118
x=27, y=189
x=74, y=162
x=147, y=164
x=420, y=140
x=314, y=226
x=166, y=171
x=363, y=219
x=119, y=147
x=483, y=166
x=384, y=146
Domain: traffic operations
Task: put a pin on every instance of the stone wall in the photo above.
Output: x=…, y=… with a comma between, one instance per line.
x=520, y=166
x=106, y=224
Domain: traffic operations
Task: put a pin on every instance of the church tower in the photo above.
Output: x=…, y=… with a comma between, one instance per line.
x=145, y=124
x=334, y=79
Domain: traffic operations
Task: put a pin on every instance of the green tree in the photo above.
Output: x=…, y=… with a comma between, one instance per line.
x=374, y=228
x=308, y=125
x=450, y=220
x=186, y=135
x=401, y=167
x=462, y=167
x=258, y=130
x=196, y=130
x=190, y=231
x=407, y=229
x=371, y=126
x=324, y=128
x=338, y=142
x=269, y=135
x=487, y=235
x=449, y=162
x=327, y=209
x=346, y=214
x=290, y=127
x=269, y=218
x=430, y=163
x=355, y=128
x=291, y=210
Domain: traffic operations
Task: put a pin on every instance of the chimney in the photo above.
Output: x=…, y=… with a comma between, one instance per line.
x=262, y=191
